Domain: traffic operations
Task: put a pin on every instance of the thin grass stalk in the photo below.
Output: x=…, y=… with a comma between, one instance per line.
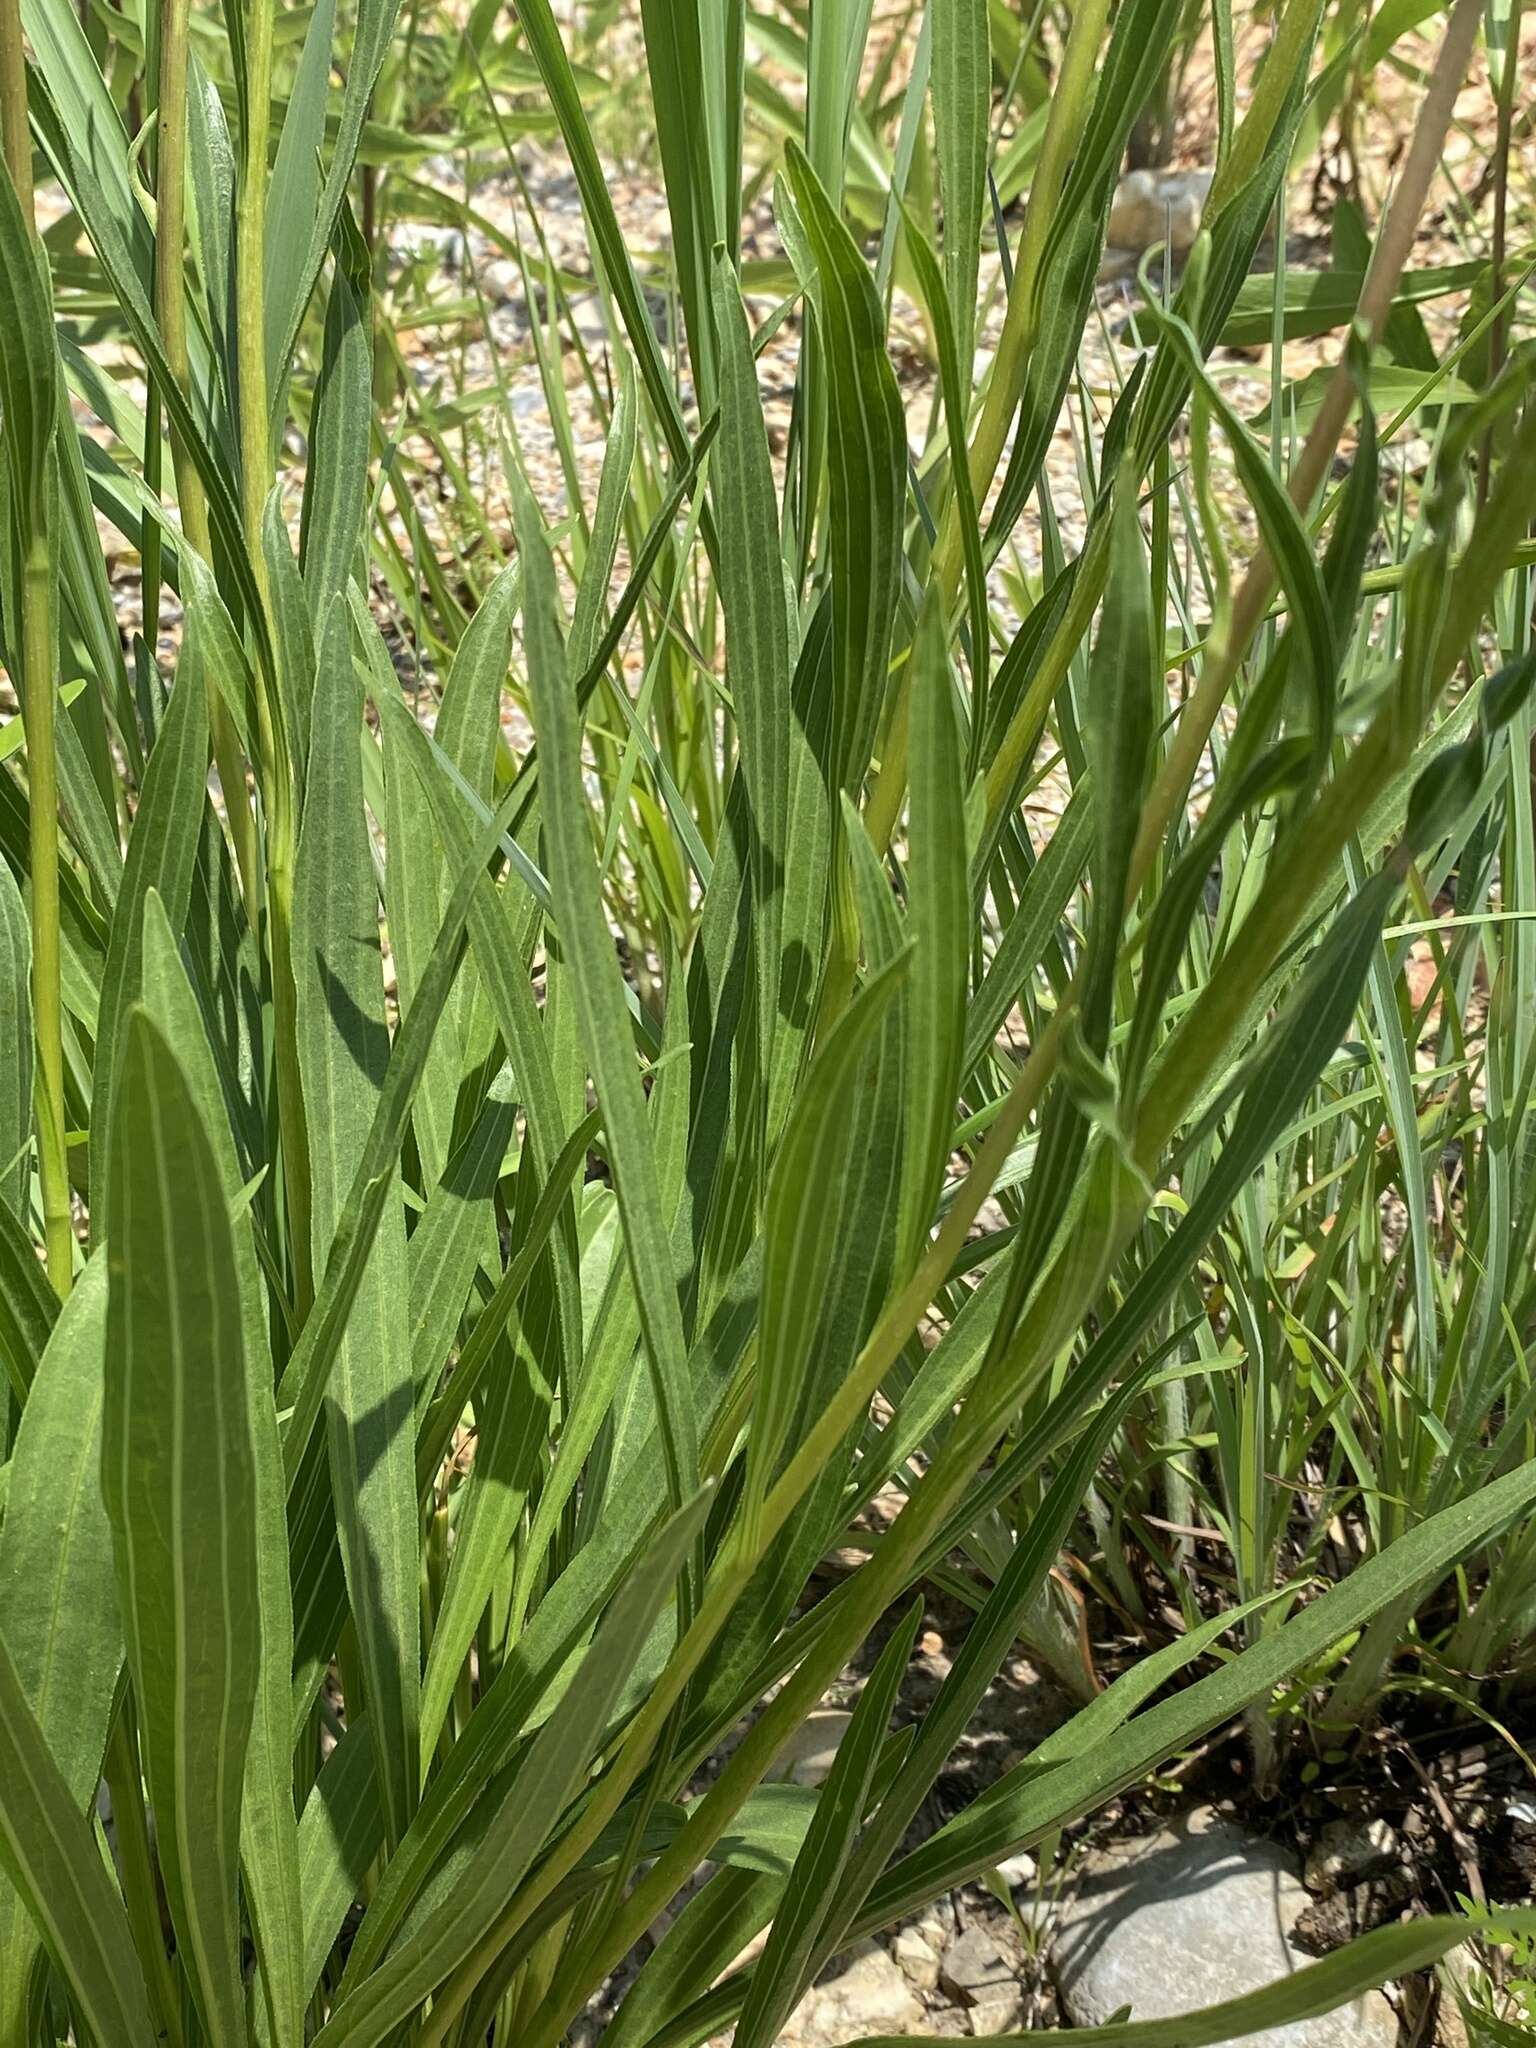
x=171, y=313
x=30, y=498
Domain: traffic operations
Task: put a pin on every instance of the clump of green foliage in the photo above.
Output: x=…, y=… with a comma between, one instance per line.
x=452, y=1354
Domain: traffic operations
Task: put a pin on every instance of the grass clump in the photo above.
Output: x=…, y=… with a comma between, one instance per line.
x=509, y=1204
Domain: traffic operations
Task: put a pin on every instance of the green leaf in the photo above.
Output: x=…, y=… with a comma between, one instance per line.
x=336, y=474
x=598, y=984
x=961, y=88
x=1315, y=302
x=757, y=641
x=179, y=1477
x=797, y=1265
x=162, y=851
x=268, y=1830
x=15, y=1048
x=372, y=34
x=867, y=447
x=58, y=1603
x=28, y=1305
x=940, y=927
x=51, y=1857
x=782, y=1976
x=344, y=1056
x=29, y=362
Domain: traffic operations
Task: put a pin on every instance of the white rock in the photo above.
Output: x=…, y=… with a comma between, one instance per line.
x=998, y=2010
x=1187, y=1918
x=916, y=1958
x=807, y=1757
x=973, y=1962
x=1158, y=206
x=864, y=1993
x=1346, y=1850
x=1017, y=1871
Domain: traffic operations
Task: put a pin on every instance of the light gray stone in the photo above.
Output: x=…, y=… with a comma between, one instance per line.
x=916, y=1958
x=972, y=1961
x=1187, y=1918
x=1018, y=1871
x=999, y=2009
x=808, y=1756
x=863, y=1994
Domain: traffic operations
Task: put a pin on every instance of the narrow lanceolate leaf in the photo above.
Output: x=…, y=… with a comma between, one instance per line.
x=162, y=851
x=15, y=1046
x=28, y=1305
x=961, y=86
x=940, y=924
x=268, y=1827
x=179, y=1476
x=58, y=1603
x=28, y=358
x=756, y=637
x=375, y=25
x=807, y=1189
x=343, y=1058
x=336, y=481
x=867, y=465
x=598, y=983
x=607, y=523
x=51, y=1857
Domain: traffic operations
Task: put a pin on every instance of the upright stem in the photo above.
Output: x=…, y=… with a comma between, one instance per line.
x=30, y=498
x=171, y=313
x=255, y=481
x=15, y=126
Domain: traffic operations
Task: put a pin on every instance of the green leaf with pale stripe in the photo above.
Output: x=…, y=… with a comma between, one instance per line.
x=961, y=88
x=162, y=851
x=797, y=1263
x=336, y=475
x=269, y=1833
x=179, y=1477
x=757, y=646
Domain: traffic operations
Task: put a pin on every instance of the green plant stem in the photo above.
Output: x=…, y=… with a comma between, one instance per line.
x=30, y=498
x=275, y=768
x=15, y=122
